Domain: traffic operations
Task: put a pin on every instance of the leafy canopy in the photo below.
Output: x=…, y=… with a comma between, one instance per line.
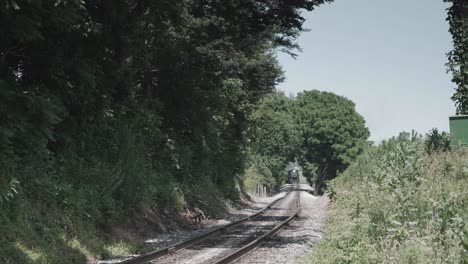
x=334, y=133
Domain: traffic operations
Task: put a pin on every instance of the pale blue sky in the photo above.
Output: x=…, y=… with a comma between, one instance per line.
x=388, y=56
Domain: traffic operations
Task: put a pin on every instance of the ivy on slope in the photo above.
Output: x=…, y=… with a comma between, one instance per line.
x=458, y=57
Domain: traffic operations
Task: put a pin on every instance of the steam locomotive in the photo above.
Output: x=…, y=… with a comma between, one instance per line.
x=293, y=176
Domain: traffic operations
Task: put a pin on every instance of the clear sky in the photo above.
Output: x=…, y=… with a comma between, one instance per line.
x=388, y=56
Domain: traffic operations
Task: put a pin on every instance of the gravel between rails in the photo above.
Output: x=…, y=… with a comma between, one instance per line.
x=215, y=248
x=297, y=239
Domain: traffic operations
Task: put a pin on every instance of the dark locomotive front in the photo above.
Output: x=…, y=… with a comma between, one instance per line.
x=293, y=176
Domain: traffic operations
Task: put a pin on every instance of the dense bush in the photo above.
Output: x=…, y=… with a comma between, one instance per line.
x=398, y=204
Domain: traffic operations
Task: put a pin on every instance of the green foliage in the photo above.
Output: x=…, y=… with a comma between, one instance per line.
x=437, y=141
x=322, y=130
x=458, y=57
x=398, y=204
x=334, y=133
x=258, y=173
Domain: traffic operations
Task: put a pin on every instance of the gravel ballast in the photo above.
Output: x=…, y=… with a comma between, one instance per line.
x=215, y=248
x=166, y=239
x=298, y=238
x=295, y=240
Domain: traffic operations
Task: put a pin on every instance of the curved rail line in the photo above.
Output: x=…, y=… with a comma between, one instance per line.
x=257, y=242
x=217, y=231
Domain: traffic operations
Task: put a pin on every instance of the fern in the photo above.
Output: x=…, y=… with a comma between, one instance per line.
x=10, y=192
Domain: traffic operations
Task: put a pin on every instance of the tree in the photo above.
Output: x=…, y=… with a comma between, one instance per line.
x=437, y=141
x=333, y=132
x=458, y=57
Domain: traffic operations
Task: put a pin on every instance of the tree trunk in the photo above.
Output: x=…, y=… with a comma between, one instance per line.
x=322, y=175
x=316, y=188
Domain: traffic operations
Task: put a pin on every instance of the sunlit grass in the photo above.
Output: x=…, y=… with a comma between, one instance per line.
x=34, y=255
x=120, y=248
x=76, y=244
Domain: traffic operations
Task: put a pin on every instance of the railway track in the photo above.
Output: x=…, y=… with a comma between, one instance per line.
x=249, y=232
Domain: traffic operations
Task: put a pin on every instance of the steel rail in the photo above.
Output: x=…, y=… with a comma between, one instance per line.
x=257, y=242
x=171, y=249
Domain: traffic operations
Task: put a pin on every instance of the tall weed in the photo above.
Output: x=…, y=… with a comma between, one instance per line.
x=399, y=204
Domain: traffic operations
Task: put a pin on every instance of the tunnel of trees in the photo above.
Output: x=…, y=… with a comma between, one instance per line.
x=111, y=106
x=321, y=130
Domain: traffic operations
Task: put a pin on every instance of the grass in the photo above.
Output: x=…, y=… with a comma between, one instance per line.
x=398, y=204
x=36, y=233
